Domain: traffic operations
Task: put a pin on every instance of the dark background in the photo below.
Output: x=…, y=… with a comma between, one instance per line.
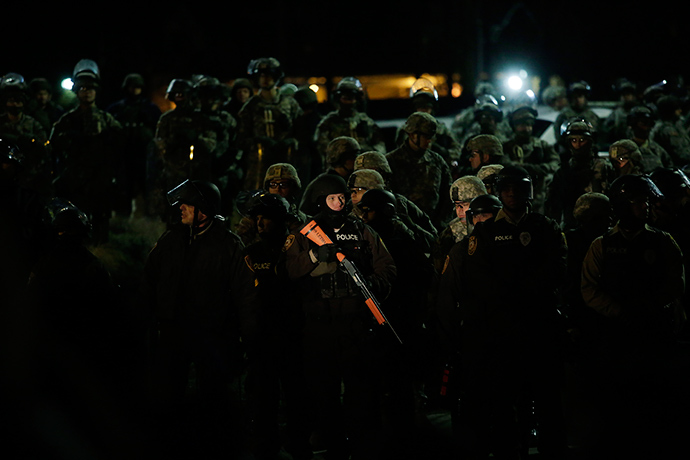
x=595, y=41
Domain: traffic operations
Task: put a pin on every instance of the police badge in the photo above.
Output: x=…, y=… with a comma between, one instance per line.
x=525, y=238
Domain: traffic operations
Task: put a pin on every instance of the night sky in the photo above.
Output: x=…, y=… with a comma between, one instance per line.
x=596, y=42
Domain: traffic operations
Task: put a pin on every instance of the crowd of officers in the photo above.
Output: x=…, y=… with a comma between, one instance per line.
x=530, y=289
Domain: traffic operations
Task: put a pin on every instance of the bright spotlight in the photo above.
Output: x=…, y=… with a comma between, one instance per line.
x=314, y=88
x=67, y=84
x=515, y=83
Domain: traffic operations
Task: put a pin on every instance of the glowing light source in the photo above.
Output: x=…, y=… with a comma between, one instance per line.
x=67, y=84
x=515, y=83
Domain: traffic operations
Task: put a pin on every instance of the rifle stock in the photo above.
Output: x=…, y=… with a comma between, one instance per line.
x=318, y=236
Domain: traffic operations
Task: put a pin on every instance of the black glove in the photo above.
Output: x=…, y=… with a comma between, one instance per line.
x=327, y=253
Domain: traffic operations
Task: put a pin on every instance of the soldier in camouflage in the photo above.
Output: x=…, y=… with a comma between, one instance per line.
x=625, y=157
x=488, y=174
x=462, y=192
x=669, y=131
x=413, y=217
x=87, y=145
x=484, y=149
x=418, y=172
x=424, y=98
x=583, y=172
x=615, y=125
x=349, y=120
x=640, y=121
x=578, y=107
x=266, y=122
x=537, y=156
x=25, y=132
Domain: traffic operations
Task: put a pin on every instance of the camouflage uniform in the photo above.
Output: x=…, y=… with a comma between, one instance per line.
x=87, y=147
x=538, y=157
x=673, y=138
x=423, y=176
x=463, y=189
x=446, y=144
x=266, y=135
x=357, y=125
x=654, y=156
x=570, y=112
x=30, y=137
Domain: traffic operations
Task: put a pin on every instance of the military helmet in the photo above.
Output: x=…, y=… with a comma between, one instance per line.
x=466, y=188
x=591, y=205
x=487, y=174
x=349, y=86
x=489, y=109
x=266, y=65
x=486, y=203
x=133, y=79
x=203, y=195
x=625, y=149
x=366, y=179
x=306, y=98
x=522, y=115
x=341, y=149
x=640, y=113
x=379, y=200
x=268, y=204
x=487, y=144
x=12, y=85
x=553, y=93
x=373, y=160
x=579, y=88
x=421, y=123
x=178, y=86
x=86, y=72
x=282, y=171
x=577, y=127
x=516, y=176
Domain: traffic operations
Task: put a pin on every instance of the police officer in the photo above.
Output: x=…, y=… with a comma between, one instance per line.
x=276, y=367
x=349, y=119
x=340, y=158
x=266, y=134
x=340, y=337
x=200, y=298
x=87, y=143
x=508, y=348
x=418, y=172
x=633, y=278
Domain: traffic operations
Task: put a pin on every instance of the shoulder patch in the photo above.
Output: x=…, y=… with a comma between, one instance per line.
x=288, y=242
x=445, y=265
x=248, y=261
x=472, y=245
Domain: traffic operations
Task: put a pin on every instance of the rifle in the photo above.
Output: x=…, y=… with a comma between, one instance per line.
x=318, y=236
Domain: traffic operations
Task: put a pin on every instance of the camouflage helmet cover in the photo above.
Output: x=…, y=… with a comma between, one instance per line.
x=282, y=171
x=373, y=160
x=487, y=144
x=466, y=188
x=366, y=178
x=340, y=148
x=421, y=122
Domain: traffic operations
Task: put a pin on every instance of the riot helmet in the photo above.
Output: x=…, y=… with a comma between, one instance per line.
x=630, y=196
x=66, y=219
x=178, y=90
x=483, y=204
x=86, y=74
x=672, y=182
x=515, y=179
x=13, y=86
x=203, y=195
x=380, y=201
